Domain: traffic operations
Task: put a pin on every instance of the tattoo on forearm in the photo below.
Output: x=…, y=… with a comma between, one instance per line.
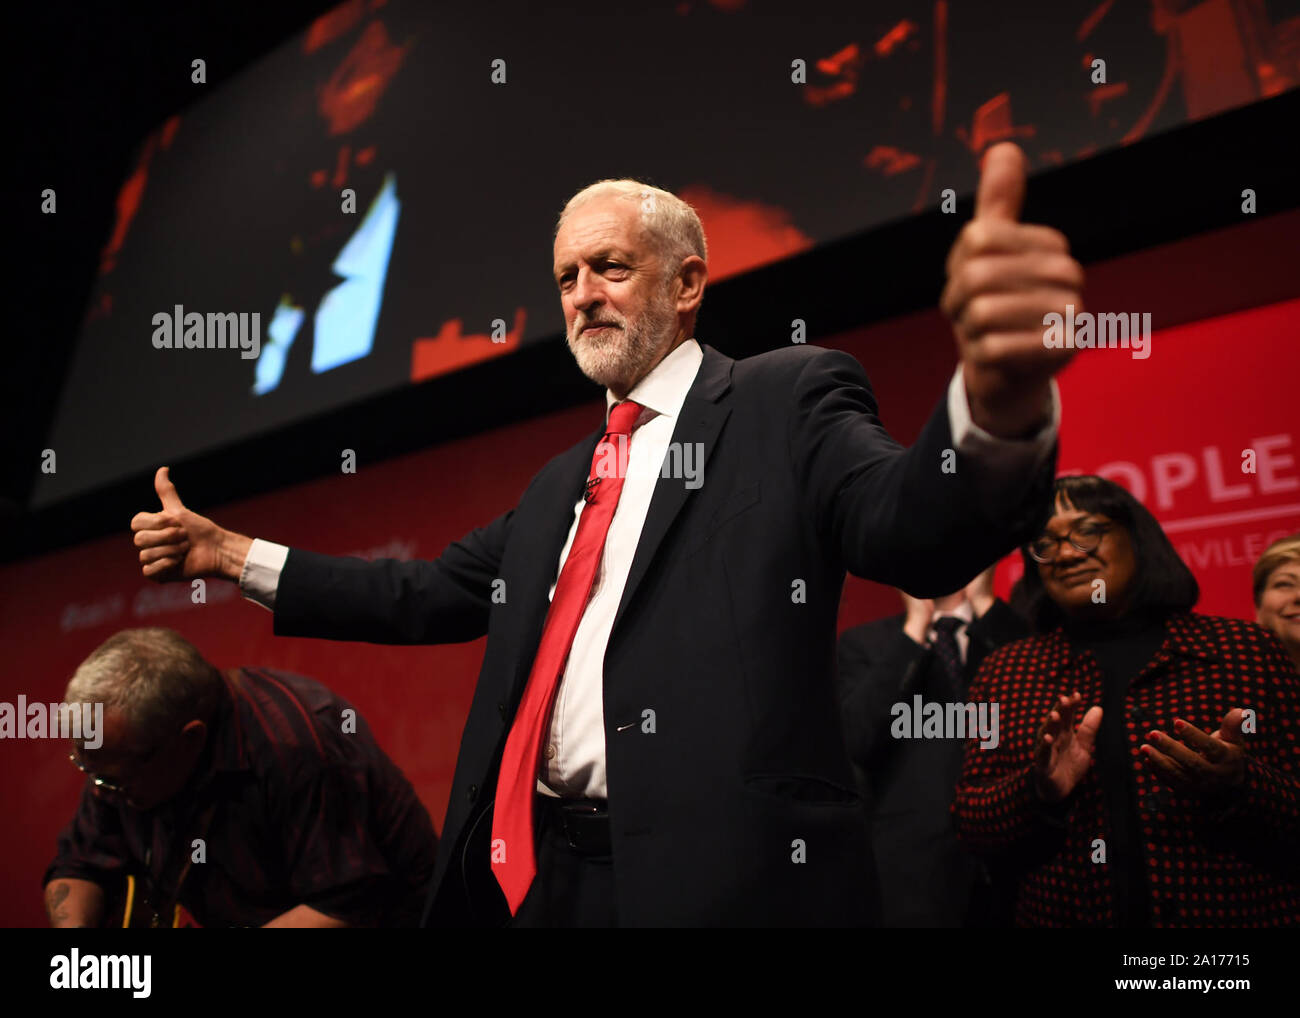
x=54, y=897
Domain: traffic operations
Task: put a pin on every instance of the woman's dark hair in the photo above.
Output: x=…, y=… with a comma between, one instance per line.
x=1162, y=583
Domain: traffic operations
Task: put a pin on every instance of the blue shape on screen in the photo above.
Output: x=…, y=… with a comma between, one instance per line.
x=285, y=322
x=346, y=318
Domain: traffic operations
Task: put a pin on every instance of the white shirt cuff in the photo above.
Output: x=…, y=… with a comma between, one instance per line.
x=1003, y=464
x=261, y=574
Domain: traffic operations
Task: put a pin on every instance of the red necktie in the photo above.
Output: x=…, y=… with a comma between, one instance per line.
x=513, y=861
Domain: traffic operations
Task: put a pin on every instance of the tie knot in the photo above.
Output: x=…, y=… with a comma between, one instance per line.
x=623, y=417
x=948, y=625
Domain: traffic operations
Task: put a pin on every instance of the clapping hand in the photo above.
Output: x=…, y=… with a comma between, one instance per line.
x=1064, y=753
x=1196, y=764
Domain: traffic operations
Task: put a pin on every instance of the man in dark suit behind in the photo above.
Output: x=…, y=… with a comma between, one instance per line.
x=932, y=650
x=679, y=725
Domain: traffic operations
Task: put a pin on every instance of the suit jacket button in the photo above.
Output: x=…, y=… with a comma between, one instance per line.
x=472, y=793
x=501, y=709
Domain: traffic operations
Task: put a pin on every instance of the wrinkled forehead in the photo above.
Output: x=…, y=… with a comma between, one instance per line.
x=602, y=227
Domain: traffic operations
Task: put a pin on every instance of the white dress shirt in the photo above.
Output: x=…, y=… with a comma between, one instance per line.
x=573, y=763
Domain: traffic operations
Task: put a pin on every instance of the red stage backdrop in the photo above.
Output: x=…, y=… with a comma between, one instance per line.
x=1204, y=433
x=1173, y=427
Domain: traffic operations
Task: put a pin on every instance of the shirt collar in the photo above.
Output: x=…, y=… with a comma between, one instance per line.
x=963, y=611
x=664, y=389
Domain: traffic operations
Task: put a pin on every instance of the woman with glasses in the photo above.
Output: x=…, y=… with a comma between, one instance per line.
x=1147, y=768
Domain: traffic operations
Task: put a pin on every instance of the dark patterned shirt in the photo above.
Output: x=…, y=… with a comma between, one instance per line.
x=1206, y=865
x=293, y=810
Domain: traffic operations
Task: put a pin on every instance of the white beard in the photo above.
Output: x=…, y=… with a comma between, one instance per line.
x=622, y=356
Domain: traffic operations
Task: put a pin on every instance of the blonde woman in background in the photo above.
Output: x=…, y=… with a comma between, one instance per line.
x=1277, y=593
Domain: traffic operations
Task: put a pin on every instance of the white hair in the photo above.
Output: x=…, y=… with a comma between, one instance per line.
x=156, y=678
x=672, y=227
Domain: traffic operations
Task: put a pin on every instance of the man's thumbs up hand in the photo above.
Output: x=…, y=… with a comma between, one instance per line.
x=162, y=484
x=176, y=544
x=1004, y=277
x=1002, y=184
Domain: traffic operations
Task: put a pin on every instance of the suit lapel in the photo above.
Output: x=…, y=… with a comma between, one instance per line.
x=701, y=419
x=548, y=528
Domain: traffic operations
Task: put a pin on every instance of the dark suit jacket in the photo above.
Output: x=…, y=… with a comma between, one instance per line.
x=726, y=630
x=926, y=878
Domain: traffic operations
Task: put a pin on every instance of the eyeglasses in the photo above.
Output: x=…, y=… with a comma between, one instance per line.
x=113, y=788
x=102, y=784
x=1084, y=537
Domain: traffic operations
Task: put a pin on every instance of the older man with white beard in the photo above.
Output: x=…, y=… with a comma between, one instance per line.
x=593, y=327
x=654, y=736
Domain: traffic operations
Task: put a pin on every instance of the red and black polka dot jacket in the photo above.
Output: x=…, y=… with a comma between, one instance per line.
x=1206, y=865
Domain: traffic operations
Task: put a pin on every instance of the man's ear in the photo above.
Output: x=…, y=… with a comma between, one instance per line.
x=694, y=276
x=194, y=733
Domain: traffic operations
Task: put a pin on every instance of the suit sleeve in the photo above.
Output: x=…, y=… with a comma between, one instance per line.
x=911, y=518
x=872, y=679
x=390, y=601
